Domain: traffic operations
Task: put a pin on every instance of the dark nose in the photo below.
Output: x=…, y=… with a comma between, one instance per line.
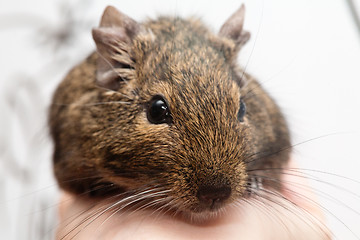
x=213, y=196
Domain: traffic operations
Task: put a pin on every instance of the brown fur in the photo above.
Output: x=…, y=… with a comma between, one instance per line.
x=102, y=135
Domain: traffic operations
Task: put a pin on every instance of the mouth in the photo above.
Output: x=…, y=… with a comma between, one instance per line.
x=205, y=215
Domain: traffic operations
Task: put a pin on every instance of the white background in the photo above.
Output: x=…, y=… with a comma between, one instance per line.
x=306, y=53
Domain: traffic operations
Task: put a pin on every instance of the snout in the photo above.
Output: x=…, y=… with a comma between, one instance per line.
x=213, y=197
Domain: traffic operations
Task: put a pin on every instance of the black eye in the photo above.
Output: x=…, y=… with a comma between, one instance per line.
x=158, y=111
x=242, y=111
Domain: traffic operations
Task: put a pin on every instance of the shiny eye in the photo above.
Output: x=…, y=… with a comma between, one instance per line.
x=158, y=111
x=242, y=111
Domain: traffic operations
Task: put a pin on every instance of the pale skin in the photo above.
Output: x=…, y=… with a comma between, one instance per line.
x=258, y=219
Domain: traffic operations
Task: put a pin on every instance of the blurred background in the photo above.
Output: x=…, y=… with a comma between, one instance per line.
x=305, y=53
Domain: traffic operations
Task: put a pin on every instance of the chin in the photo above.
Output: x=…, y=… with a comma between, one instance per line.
x=201, y=215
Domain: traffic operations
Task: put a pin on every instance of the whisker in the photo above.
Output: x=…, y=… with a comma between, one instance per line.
x=314, y=203
x=272, y=208
x=298, y=211
x=92, y=104
x=270, y=153
x=257, y=34
x=87, y=218
x=323, y=172
x=141, y=195
x=144, y=206
x=308, y=188
x=168, y=206
x=311, y=177
x=100, y=211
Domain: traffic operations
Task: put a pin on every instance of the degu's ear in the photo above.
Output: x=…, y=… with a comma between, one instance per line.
x=113, y=38
x=233, y=28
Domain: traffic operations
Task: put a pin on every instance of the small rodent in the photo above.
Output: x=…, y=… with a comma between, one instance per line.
x=162, y=107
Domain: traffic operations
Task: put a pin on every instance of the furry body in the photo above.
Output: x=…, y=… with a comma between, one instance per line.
x=104, y=141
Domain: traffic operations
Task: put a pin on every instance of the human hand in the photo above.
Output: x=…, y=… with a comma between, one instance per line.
x=292, y=215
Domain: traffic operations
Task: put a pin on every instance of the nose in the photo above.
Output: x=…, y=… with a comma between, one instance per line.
x=213, y=196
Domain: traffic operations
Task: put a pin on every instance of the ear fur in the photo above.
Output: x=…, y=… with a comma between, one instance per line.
x=113, y=38
x=233, y=28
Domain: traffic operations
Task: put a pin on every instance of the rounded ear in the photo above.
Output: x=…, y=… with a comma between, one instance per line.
x=113, y=18
x=233, y=28
x=113, y=39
